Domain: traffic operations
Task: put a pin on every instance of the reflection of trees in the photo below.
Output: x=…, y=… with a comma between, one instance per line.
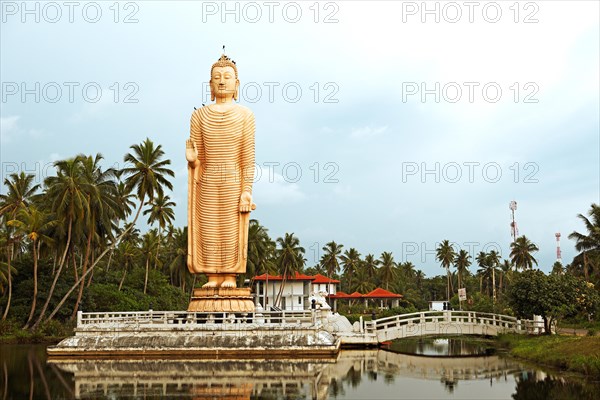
x=354, y=376
x=449, y=384
x=336, y=388
x=24, y=368
x=372, y=376
x=4, y=380
x=529, y=388
x=389, y=378
x=25, y=375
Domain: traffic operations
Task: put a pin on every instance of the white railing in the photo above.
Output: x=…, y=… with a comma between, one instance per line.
x=504, y=322
x=170, y=318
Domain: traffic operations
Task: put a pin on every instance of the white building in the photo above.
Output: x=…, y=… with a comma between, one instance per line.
x=296, y=290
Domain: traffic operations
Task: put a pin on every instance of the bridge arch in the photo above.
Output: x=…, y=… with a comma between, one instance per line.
x=443, y=323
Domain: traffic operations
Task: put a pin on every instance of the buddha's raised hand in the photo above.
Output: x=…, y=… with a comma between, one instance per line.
x=191, y=152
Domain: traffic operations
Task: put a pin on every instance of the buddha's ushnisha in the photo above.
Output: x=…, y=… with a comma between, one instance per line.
x=220, y=155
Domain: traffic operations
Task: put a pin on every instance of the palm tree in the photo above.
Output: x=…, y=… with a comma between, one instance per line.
x=445, y=254
x=124, y=205
x=483, y=272
x=350, y=263
x=370, y=266
x=8, y=242
x=329, y=260
x=20, y=192
x=124, y=199
x=33, y=223
x=260, y=249
x=589, y=244
x=557, y=268
x=520, y=253
x=290, y=258
x=419, y=278
x=387, y=268
x=127, y=253
x=178, y=268
x=462, y=263
x=67, y=193
x=261, y=254
x=505, y=273
x=150, y=241
x=147, y=176
x=148, y=172
x=103, y=207
x=363, y=284
x=161, y=211
x=493, y=262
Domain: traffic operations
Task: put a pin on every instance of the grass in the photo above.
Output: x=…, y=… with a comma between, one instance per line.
x=50, y=332
x=571, y=353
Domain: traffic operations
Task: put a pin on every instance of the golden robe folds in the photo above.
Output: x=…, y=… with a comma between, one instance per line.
x=217, y=231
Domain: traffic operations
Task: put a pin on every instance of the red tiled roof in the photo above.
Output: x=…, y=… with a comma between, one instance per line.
x=296, y=277
x=318, y=278
x=375, y=294
x=342, y=295
x=380, y=293
x=339, y=295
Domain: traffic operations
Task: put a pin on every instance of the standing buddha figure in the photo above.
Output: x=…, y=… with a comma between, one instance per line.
x=220, y=156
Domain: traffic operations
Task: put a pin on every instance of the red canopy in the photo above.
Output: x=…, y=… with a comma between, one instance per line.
x=380, y=293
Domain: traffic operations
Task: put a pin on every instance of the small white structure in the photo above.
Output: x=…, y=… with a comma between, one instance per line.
x=322, y=283
x=439, y=305
x=296, y=292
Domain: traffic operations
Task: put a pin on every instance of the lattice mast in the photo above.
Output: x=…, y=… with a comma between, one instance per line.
x=558, y=252
x=514, y=232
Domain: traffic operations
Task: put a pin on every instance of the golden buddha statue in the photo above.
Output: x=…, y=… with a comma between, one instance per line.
x=220, y=155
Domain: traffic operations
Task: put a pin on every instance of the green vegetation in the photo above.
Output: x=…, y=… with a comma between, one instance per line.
x=71, y=243
x=572, y=353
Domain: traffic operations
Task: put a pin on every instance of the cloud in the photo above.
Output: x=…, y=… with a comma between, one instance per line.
x=368, y=131
x=91, y=111
x=275, y=189
x=55, y=157
x=8, y=126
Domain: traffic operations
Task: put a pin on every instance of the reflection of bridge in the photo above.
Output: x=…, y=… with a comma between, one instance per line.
x=443, y=323
x=244, y=379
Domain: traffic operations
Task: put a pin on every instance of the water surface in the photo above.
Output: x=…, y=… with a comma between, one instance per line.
x=356, y=374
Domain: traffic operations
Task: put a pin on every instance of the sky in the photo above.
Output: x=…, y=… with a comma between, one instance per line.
x=382, y=125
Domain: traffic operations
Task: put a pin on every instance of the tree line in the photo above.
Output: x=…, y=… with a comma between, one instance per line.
x=71, y=242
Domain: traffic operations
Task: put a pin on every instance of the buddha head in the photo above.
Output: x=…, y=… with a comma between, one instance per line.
x=224, y=83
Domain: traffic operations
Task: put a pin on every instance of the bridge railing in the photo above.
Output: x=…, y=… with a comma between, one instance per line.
x=503, y=322
x=93, y=320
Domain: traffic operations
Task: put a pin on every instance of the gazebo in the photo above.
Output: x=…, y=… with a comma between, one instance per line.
x=381, y=295
x=377, y=294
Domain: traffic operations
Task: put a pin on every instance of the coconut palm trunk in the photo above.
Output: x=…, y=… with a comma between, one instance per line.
x=83, y=270
x=146, y=277
x=83, y=276
x=60, y=267
x=35, y=284
x=9, y=285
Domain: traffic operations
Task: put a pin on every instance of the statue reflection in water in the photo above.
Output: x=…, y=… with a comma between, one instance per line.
x=379, y=372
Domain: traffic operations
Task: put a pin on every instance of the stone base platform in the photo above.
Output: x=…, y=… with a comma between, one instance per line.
x=236, y=300
x=197, y=335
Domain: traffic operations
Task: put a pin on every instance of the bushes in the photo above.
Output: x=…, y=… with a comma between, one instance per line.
x=106, y=297
x=580, y=354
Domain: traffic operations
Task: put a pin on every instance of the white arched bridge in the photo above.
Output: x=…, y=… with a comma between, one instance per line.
x=445, y=323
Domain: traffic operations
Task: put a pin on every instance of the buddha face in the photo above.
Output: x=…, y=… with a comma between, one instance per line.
x=223, y=84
